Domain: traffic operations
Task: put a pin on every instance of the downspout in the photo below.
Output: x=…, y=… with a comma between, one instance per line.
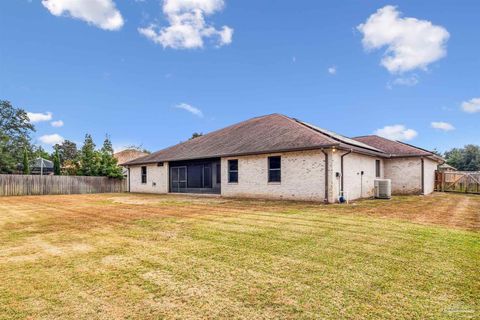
x=326, y=176
x=128, y=172
x=341, y=171
x=423, y=175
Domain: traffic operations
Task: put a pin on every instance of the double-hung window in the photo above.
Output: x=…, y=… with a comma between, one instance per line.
x=233, y=171
x=144, y=174
x=274, y=169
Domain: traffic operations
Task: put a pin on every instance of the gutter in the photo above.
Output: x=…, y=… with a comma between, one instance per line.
x=326, y=176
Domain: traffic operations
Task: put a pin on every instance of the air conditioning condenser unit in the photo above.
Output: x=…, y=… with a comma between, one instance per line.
x=383, y=188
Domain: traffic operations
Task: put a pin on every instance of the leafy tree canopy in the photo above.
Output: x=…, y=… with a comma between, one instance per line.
x=39, y=152
x=15, y=130
x=67, y=151
x=464, y=159
x=196, y=135
x=138, y=148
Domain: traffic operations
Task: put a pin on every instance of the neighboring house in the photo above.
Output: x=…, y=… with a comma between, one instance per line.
x=126, y=156
x=446, y=168
x=278, y=157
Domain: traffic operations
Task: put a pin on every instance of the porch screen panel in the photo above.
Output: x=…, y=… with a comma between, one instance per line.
x=207, y=176
x=183, y=178
x=195, y=176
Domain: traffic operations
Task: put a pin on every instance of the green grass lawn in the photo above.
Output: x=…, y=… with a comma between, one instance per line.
x=120, y=256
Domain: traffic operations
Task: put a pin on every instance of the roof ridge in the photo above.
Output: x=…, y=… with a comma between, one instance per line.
x=366, y=135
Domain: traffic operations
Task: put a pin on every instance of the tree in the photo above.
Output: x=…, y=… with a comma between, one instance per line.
x=15, y=130
x=39, y=152
x=26, y=164
x=138, y=148
x=70, y=168
x=108, y=163
x=89, y=158
x=195, y=135
x=436, y=152
x=464, y=159
x=56, y=163
x=68, y=151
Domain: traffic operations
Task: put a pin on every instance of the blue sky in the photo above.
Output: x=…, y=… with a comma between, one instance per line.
x=153, y=72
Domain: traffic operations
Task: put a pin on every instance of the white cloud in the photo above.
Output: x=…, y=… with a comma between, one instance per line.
x=39, y=117
x=190, y=109
x=332, y=70
x=410, y=43
x=57, y=124
x=51, y=139
x=444, y=126
x=100, y=13
x=471, y=106
x=188, y=29
x=406, y=81
x=396, y=132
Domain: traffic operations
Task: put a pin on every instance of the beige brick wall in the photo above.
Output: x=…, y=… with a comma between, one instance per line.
x=430, y=166
x=303, y=177
x=406, y=175
x=157, y=179
x=356, y=185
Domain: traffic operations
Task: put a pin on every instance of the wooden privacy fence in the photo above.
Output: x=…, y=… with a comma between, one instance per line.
x=457, y=181
x=22, y=185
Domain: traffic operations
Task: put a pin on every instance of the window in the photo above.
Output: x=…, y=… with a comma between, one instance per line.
x=233, y=171
x=377, y=168
x=274, y=169
x=144, y=174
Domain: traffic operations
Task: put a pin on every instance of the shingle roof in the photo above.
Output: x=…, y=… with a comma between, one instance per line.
x=274, y=133
x=128, y=155
x=393, y=148
x=344, y=140
x=271, y=133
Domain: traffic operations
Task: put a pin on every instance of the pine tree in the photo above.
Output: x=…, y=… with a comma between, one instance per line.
x=56, y=163
x=108, y=163
x=26, y=164
x=88, y=158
